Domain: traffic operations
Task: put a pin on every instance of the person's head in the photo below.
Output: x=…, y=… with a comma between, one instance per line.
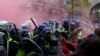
x=24, y=33
x=51, y=23
x=47, y=33
x=25, y=26
x=41, y=27
x=71, y=24
x=4, y=25
x=97, y=32
x=74, y=24
x=57, y=24
x=66, y=24
x=46, y=23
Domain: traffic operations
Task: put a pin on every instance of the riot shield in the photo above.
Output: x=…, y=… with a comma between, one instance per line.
x=31, y=48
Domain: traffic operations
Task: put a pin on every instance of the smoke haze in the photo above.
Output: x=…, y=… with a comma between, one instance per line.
x=19, y=11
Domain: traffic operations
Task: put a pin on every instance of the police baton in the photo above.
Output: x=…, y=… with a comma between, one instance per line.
x=34, y=23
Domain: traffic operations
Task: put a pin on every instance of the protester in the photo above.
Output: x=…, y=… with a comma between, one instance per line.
x=51, y=38
x=89, y=46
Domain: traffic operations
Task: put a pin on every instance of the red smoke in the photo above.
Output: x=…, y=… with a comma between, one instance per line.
x=19, y=11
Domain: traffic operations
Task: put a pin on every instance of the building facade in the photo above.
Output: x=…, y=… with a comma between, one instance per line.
x=78, y=8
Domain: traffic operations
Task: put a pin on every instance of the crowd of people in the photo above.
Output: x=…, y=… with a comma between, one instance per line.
x=51, y=38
